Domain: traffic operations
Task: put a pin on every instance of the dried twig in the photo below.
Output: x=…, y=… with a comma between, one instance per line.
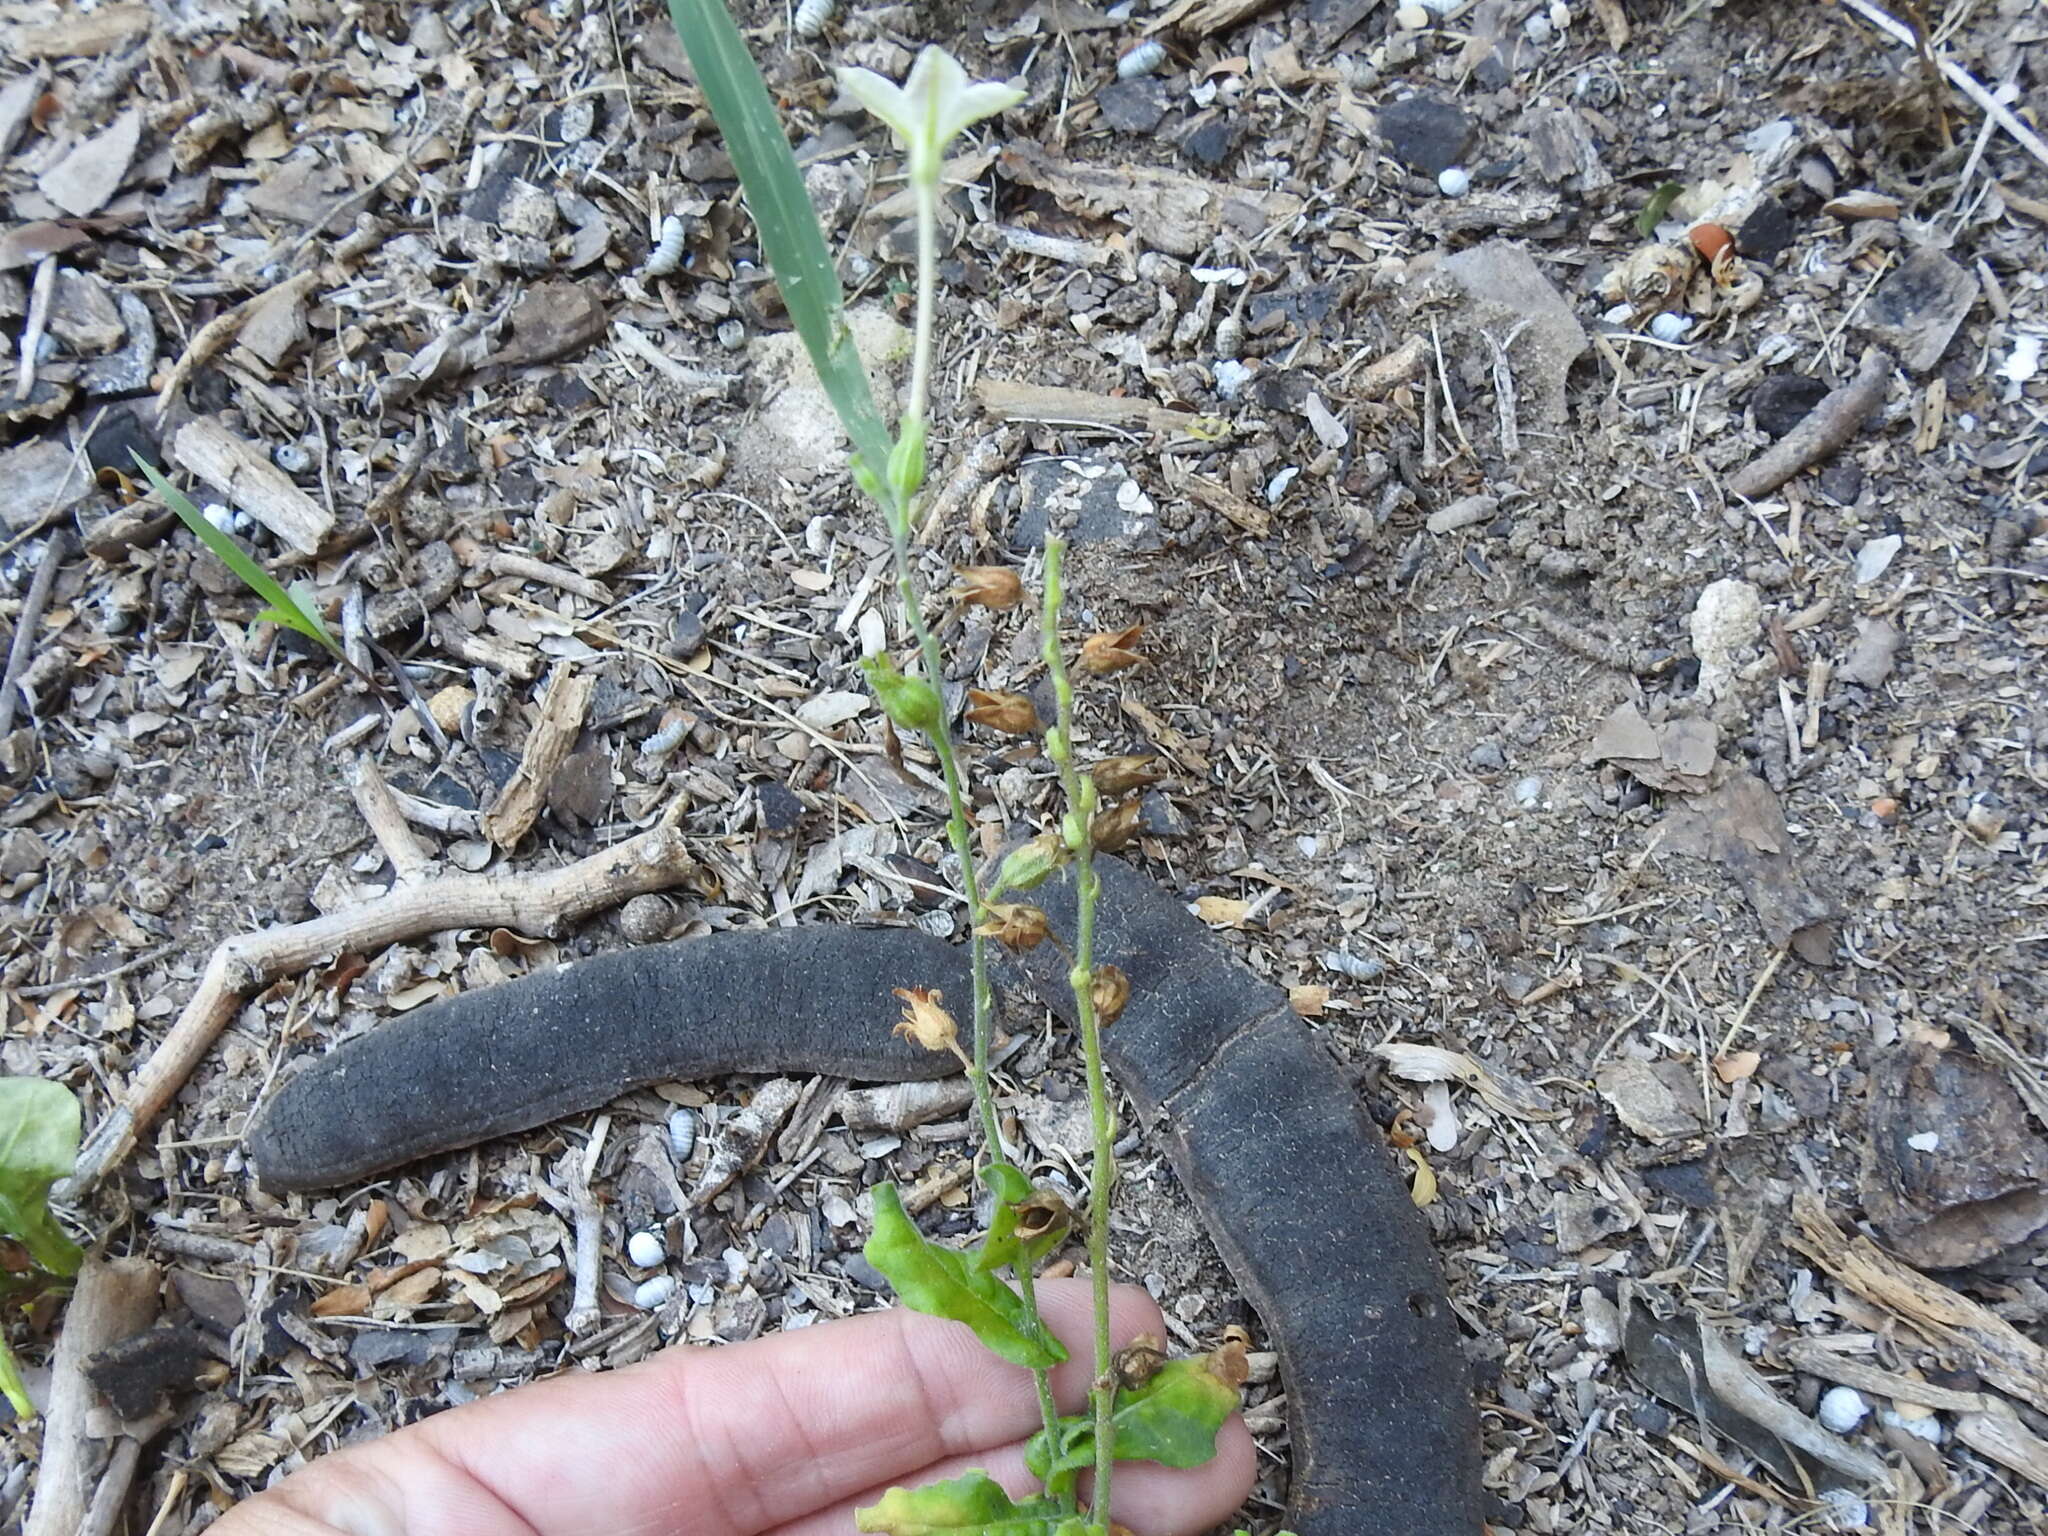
x=1958, y=76
x=541, y=902
x=115, y=1298
x=562, y=709
x=386, y=818
x=1403, y=365
x=27, y=622
x=40, y=295
x=1998, y=1352
x=1821, y=435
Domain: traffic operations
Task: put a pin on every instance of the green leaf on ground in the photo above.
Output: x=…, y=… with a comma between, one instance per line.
x=1659, y=204
x=293, y=609
x=39, y=1125
x=974, y=1502
x=788, y=225
x=944, y=1282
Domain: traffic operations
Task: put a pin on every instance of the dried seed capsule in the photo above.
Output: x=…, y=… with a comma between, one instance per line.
x=1112, y=830
x=988, y=586
x=1120, y=775
x=1014, y=925
x=1011, y=713
x=1141, y=58
x=667, y=254
x=1110, y=991
x=812, y=16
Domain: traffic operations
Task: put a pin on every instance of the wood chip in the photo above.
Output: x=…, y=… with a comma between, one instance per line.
x=243, y=473
x=562, y=710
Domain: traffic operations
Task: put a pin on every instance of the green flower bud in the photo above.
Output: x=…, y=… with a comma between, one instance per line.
x=910, y=702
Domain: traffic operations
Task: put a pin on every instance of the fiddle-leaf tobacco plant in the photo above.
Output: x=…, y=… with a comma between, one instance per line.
x=1142, y=1406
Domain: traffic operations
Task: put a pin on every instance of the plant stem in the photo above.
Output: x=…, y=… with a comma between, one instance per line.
x=1081, y=800
x=927, y=293
x=959, y=831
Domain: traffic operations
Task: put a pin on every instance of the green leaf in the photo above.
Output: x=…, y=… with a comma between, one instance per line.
x=973, y=1502
x=284, y=608
x=12, y=1387
x=39, y=1124
x=790, y=236
x=1659, y=204
x=943, y=1282
x=1015, y=1197
x=1171, y=1419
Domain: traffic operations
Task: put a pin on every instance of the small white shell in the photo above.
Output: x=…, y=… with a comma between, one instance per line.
x=649, y=1294
x=1142, y=58
x=646, y=1249
x=1453, y=181
x=682, y=1133
x=1669, y=326
x=667, y=254
x=1842, y=1409
x=812, y=16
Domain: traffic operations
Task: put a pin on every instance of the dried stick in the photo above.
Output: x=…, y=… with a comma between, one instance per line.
x=1403, y=365
x=1974, y=1334
x=39, y=297
x=541, y=902
x=562, y=709
x=31, y=617
x=386, y=818
x=1821, y=435
x=115, y=1298
x=1960, y=77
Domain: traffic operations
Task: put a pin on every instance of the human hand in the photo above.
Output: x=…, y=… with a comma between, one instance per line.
x=786, y=1434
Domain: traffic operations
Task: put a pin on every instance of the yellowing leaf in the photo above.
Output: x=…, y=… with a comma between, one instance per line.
x=1222, y=911
x=1423, y=1190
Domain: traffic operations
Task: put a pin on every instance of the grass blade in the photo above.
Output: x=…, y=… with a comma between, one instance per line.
x=284, y=608
x=790, y=237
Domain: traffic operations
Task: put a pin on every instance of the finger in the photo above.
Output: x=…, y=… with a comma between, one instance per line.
x=723, y=1442
x=1160, y=1501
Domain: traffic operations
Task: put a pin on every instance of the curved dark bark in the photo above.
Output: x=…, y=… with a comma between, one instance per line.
x=1295, y=1184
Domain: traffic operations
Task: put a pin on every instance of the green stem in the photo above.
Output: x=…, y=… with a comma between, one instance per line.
x=1081, y=800
x=959, y=831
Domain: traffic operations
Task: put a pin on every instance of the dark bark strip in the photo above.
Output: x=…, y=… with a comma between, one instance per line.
x=1294, y=1182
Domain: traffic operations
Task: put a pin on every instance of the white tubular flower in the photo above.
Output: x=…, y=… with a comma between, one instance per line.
x=931, y=107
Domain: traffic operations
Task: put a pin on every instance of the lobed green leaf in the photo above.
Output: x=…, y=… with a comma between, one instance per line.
x=291, y=609
x=39, y=1125
x=1171, y=1419
x=788, y=225
x=972, y=1502
x=944, y=1282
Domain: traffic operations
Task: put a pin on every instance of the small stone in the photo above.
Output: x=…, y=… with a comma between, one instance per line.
x=1487, y=757
x=1842, y=1409
x=686, y=633
x=1454, y=181
x=646, y=1249
x=1210, y=144
x=1132, y=106
x=1784, y=400
x=1670, y=327
x=1527, y=793
x=1919, y=307
x=1876, y=556
x=1425, y=133
x=1158, y=818
x=653, y=1292
x=781, y=810
x=1538, y=29
x=1462, y=513
x=1411, y=18
x=1767, y=231
x=1842, y=482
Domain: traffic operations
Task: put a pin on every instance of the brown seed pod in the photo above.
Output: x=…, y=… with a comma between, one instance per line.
x=1015, y=925
x=1111, y=650
x=1110, y=990
x=1120, y=775
x=988, y=586
x=1043, y=1214
x=1011, y=713
x=1112, y=830
x=1139, y=1361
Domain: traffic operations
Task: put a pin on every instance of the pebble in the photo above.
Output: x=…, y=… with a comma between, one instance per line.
x=646, y=1249
x=1231, y=378
x=1528, y=793
x=1487, y=757
x=649, y=1294
x=1842, y=1409
x=1670, y=327
x=1846, y=1511
x=1783, y=400
x=1425, y=133
x=1453, y=181
x=682, y=1133
x=1538, y=30
x=1411, y=18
